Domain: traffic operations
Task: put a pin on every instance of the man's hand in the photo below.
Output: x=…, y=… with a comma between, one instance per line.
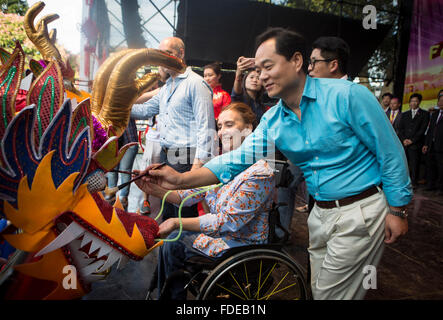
x=166, y=227
x=407, y=142
x=394, y=228
x=424, y=150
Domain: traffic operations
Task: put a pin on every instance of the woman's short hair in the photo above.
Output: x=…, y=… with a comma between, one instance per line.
x=245, y=112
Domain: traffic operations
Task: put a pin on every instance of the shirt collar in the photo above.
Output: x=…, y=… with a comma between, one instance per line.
x=309, y=91
x=181, y=76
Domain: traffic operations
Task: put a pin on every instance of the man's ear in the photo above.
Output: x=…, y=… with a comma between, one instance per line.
x=333, y=66
x=297, y=60
x=182, y=53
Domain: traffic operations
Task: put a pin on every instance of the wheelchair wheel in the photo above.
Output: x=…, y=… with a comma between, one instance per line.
x=258, y=274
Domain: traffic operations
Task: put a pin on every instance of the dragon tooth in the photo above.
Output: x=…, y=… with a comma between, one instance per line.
x=113, y=257
x=81, y=259
x=93, y=277
x=91, y=268
x=123, y=261
x=96, y=244
x=72, y=232
x=104, y=250
x=86, y=239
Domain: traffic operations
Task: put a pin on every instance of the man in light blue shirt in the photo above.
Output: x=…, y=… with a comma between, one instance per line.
x=336, y=132
x=185, y=118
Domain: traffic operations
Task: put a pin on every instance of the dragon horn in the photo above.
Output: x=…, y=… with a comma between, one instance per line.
x=39, y=36
x=123, y=88
x=101, y=80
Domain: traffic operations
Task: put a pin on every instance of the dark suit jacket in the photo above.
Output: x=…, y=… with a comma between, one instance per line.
x=413, y=129
x=396, y=122
x=437, y=129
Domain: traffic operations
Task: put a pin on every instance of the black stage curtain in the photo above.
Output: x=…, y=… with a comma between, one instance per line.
x=223, y=30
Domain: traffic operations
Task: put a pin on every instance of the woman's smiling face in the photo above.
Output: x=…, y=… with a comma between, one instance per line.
x=232, y=129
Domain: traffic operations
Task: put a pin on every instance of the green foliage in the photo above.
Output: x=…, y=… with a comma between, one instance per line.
x=14, y=6
x=12, y=30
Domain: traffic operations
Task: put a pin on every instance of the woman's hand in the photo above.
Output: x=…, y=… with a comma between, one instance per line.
x=166, y=227
x=148, y=187
x=165, y=177
x=244, y=64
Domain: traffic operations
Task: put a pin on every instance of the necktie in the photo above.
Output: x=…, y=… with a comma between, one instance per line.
x=439, y=115
x=393, y=116
x=413, y=113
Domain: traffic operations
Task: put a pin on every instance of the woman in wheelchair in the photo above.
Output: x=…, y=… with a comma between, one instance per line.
x=238, y=210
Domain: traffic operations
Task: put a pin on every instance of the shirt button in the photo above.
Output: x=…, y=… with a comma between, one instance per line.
x=306, y=142
x=316, y=194
x=316, y=158
x=315, y=171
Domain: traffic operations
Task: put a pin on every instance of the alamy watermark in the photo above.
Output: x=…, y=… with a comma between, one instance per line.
x=370, y=280
x=70, y=280
x=370, y=20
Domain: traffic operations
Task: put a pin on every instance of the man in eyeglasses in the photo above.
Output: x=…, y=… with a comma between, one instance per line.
x=329, y=58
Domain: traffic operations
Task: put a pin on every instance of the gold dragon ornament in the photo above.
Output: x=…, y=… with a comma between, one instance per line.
x=52, y=166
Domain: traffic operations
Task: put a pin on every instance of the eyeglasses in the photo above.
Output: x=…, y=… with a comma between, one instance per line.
x=312, y=62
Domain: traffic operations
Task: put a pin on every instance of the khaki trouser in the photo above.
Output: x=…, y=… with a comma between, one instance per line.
x=342, y=241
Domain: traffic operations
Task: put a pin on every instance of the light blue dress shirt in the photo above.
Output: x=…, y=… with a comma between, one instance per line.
x=344, y=143
x=185, y=114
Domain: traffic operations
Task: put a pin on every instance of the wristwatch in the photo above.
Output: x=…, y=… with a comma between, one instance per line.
x=401, y=213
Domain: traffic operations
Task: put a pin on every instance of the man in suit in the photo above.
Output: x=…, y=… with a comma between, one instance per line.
x=411, y=130
x=386, y=101
x=394, y=113
x=434, y=147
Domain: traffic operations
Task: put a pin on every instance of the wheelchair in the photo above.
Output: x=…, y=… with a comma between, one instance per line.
x=253, y=272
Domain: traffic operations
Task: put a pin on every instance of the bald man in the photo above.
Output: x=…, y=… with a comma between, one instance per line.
x=185, y=119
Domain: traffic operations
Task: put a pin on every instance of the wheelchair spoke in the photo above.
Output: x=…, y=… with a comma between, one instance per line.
x=257, y=294
x=287, y=287
x=229, y=291
x=238, y=285
x=283, y=289
x=278, y=284
x=247, y=282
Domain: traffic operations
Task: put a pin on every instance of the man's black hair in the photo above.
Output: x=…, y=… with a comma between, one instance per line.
x=416, y=95
x=334, y=48
x=287, y=43
x=388, y=94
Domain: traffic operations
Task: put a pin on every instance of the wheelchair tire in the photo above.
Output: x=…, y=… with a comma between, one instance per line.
x=257, y=274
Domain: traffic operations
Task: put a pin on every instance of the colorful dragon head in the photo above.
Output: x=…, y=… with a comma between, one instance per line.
x=53, y=157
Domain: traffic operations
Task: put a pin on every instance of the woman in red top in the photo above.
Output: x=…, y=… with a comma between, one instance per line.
x=221, y=98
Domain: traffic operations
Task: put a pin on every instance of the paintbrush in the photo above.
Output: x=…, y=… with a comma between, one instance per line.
x=110, y=192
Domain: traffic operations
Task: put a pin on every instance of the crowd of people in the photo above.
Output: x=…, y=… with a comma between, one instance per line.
x=346, y=156
x=421, y=134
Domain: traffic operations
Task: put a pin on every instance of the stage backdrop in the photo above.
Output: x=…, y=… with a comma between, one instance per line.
x=424, y=73
x=223, y=30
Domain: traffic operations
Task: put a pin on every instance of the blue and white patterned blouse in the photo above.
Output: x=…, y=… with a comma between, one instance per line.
x=239, y=211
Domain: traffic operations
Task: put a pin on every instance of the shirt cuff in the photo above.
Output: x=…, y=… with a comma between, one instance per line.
x=208, y=223
x=222, y=172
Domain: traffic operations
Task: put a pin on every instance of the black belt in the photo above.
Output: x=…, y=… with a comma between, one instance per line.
x=348, y=200
x=188, y=154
